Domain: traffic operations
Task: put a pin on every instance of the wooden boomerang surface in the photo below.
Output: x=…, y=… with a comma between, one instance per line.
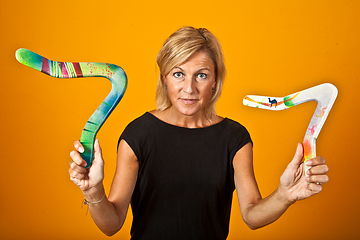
x=324, y=94
x=112, y=72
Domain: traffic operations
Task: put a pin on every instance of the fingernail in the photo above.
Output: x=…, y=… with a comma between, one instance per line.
x=308, y=163
x=81, y=149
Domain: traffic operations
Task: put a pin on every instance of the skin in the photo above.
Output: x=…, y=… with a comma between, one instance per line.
x=258, y=212
x=189, y=88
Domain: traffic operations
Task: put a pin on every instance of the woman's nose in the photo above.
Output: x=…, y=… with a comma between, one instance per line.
x=189, y=86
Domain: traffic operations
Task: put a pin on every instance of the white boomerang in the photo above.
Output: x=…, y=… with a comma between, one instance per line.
x=324, y=94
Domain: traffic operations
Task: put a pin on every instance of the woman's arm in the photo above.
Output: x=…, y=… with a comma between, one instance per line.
x=294, y=185
x=109, y=214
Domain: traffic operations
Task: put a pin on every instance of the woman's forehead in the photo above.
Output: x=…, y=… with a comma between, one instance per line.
x=198, y=60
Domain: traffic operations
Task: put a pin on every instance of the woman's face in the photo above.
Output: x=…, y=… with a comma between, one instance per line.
x=189, y=86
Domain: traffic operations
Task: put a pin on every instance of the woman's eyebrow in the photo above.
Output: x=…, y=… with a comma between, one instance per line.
x=199, y=70
x=178, y=68
x=204, y=68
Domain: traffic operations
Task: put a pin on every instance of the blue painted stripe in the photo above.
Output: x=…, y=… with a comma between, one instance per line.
x=86, y=130
x=92, y=123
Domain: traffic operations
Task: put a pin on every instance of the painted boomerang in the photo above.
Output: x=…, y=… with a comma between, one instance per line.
x=112, y=72
x=324, y=95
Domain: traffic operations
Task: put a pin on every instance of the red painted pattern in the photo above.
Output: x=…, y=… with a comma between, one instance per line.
x=45, y=66
x=64, y=71
x=77, y=69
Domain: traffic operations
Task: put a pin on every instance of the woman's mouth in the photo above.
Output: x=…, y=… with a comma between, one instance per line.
x=188, y=101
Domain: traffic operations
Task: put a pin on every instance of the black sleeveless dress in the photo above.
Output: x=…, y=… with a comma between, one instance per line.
x=186, y=178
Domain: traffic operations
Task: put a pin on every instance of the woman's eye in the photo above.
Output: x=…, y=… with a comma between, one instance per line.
x=202, y=76
x=178, y=75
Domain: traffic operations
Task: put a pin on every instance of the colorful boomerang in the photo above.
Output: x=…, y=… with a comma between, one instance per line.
x=324, y=95
x=112, y=72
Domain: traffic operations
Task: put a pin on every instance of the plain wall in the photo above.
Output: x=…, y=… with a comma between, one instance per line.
x=271, y=48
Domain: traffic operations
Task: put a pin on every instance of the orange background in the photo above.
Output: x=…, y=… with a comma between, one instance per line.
x=271, y=48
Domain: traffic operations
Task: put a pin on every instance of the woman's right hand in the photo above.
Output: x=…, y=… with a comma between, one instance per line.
x=86, y=178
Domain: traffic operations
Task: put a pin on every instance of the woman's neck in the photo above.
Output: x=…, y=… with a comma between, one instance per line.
x=173, y=117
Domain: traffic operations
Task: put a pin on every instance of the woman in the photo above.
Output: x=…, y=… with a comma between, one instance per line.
x=179, y=165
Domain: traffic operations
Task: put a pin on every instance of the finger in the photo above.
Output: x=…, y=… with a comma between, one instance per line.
x=318, y=170
x=98, y=153
x=315, y=188
x=318, y=179
x=77, y=168
x=76, y=175
x=77, y=182
x=97, y=148
x=77, y=159
x=296, y=161
x=78, y=146
x=318, y=160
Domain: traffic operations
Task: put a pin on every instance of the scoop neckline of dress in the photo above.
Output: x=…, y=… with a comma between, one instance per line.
x=161, y=121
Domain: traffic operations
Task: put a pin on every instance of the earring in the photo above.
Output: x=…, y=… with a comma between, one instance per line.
x=212, y=90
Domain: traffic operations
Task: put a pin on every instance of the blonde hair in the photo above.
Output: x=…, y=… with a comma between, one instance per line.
x=177, y=49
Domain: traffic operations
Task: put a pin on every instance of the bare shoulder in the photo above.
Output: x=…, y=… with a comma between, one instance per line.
x=161, y=115
x=157, y=113
x=243, y=156
x=125, y=152
x=125, y=176
x=217, y=119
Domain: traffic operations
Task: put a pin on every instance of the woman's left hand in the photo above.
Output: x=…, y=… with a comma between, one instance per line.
x=295, y=184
